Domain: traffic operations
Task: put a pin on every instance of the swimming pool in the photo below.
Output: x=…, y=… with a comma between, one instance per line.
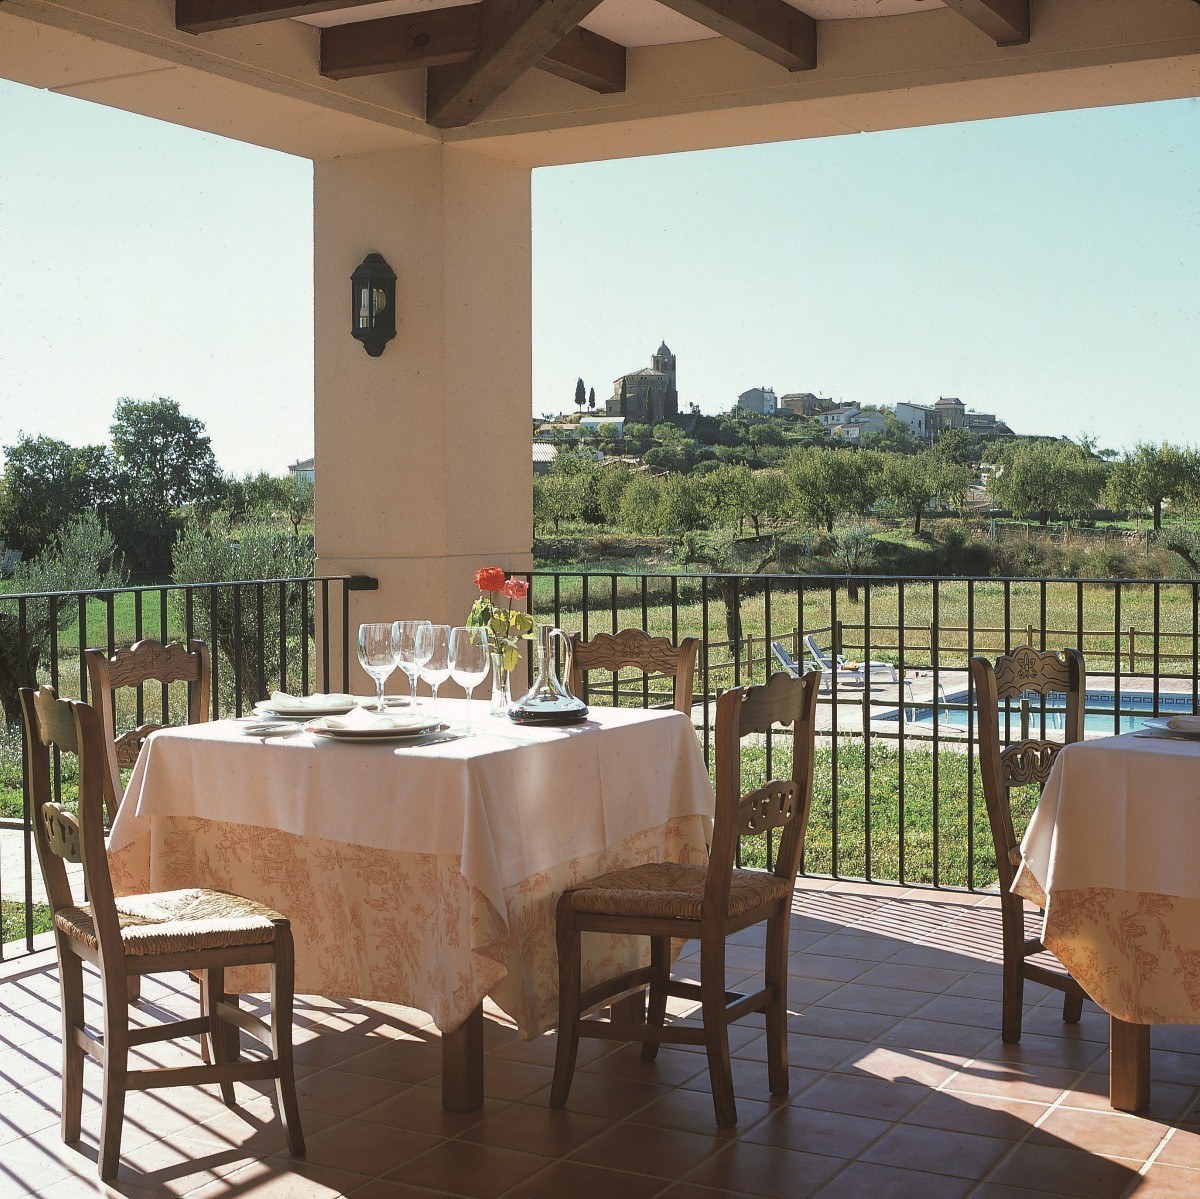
x=1098, y=711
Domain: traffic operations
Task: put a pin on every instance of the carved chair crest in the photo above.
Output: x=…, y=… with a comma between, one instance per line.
x=62, y=832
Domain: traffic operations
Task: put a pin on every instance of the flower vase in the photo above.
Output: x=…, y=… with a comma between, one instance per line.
x=501, y=686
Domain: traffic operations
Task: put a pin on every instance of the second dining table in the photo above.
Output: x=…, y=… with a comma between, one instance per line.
x=1111, y=855
x=422, y=873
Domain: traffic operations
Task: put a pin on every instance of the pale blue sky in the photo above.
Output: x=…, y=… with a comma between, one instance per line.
x=1044, y=268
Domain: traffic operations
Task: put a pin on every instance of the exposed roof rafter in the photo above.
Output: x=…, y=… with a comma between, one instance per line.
x=588, y=59
x=1006, y=22
x=517, y=35
x=430, y=38
x=206, y=16
x=771, y=28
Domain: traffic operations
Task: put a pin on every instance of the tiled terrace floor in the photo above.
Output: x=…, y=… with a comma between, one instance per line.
x=901, y=1089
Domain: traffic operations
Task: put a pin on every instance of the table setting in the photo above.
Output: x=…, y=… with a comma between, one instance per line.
x=419, y=848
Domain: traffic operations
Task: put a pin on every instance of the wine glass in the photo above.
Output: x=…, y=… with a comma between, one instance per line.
x=469, y=658
x=405, y=651
x=433, y=647
x=375, y=656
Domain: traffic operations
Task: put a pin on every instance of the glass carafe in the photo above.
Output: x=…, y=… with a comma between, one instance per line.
x=547, y=701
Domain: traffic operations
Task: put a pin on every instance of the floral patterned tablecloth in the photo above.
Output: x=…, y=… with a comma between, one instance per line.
x=1111, y=854
x=425, y=876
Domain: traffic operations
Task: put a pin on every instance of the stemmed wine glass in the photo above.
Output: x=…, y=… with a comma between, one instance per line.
x=406, y=652
x=375, y=656
x=433, y=647
x=469, y=658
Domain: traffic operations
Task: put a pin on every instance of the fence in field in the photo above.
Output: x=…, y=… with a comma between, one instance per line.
x=897, y=794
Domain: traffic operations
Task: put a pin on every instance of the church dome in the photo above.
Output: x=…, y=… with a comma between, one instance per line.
x=664, y=351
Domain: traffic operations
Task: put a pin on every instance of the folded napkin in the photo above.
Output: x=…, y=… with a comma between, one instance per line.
x=1184, y=724
x=281, y=701
x=359, y=720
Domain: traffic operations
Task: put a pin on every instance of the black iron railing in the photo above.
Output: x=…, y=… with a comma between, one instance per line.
x=897, y=796
x=291, y=634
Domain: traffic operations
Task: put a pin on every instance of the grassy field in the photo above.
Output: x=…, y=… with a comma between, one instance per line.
x=12, y=920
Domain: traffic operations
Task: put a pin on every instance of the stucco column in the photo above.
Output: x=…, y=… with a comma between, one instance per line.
x=423, y=469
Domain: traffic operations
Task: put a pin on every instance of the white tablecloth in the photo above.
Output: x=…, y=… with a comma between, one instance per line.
x=361, y=844
x=1112, y=853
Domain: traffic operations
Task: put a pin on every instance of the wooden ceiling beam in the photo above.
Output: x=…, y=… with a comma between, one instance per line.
x=1006, y=22
x=588, y=59
x=207, y=16
x=430, y=38
x=771, y=28
x=517, y=35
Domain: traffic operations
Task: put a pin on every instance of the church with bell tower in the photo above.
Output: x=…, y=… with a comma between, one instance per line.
x=647, y=396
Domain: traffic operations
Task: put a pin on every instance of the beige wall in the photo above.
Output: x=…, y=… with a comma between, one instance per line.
x=422, y=455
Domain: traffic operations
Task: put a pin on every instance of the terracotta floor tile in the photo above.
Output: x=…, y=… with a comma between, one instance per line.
x=1112, y=1133
x=1062, y=1171
x=670, y=1068
x=660, y=1152
x=1036, y=1083
x=983, y=1115
x=1167, y=1100
x=1182, y=1148
x=473, y=1171
x=689, y=1190
x=1066, y=1051
x=861, y=946
x=928, y=980
x=937, y=1151
x=1168, y=1182
x=272, y=1179
x=765, y=1170
x=340, y=1093
x=537, y=1129
x=811, y=1130
x=811, y=1052
x=420, y=1110
x=603, y=1095
x=692, y=1111
x=574, y=1180
x=922, y=1066
x=861, y=1179
x=368, y=1148
x=383, y=1188
x=862, y=1096
x=821, y=1020
x=400, y=1061
x=885, y=1001
x=918, y=1033
x=807, y=964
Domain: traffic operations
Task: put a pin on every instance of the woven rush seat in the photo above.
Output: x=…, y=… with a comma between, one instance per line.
x=673, y=891
x=178, y=922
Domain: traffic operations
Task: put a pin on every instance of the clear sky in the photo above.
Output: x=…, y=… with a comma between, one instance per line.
x=1043, y=268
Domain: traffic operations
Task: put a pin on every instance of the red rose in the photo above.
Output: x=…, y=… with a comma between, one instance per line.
x=515, y=589
x=489, y=578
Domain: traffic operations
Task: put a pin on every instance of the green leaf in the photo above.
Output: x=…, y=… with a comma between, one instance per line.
x=511, y=657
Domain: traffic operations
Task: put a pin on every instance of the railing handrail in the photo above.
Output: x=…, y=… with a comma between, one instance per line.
x=353, y=583
x=542, y=572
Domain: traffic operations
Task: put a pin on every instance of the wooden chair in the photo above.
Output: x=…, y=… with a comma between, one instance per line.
x=199, y=930
x=634, y=649
x=1022, y=763
x=665, y=900
x=146, y=662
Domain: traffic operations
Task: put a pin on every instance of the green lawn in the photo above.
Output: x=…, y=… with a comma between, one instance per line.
x=12, y=920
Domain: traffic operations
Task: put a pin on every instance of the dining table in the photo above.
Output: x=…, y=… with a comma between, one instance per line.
x=1111, y=855
x=422, y=872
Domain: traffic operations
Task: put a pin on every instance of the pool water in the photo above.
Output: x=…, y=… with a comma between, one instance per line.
x=1098, y=713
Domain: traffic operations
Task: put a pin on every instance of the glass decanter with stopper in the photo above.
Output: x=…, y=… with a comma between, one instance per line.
x=547, y=701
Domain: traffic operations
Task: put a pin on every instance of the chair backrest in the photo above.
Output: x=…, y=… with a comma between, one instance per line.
x=784, y=657
x=148, y=661
x=1026, y=761
x=60, y=835
x=818, y=655
x=779, y=803
x=636, y=650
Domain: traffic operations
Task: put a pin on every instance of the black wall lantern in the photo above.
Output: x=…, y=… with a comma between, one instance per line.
x=373, y=303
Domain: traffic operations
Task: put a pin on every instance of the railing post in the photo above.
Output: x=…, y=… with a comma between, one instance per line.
x=837, y=637
x=1132, y=653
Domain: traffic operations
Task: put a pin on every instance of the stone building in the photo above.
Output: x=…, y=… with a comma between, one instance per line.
x=760, y=400
x=647, y=396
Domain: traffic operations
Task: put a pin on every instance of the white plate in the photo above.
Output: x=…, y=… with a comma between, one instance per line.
x=1161, y=724
x=320, y=729
x=263, y=708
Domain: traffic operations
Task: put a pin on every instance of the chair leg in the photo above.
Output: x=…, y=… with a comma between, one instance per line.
x=70, y=974
x=283, y=980
x=133, y=988
x=776, y=1013
x=716, y=1030
x=656, y=1013
x=213, y=989
x=116, y=1067
x=1013, y=994
x=1072, y=1007
x=568, y=1002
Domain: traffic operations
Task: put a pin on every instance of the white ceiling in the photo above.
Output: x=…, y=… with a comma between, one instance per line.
x=640, y=22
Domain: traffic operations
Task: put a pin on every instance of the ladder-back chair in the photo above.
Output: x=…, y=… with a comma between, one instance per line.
x=1022, y=763
x=670, y=899
x=199, y=930
x=148, y=661
x=636, y=650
